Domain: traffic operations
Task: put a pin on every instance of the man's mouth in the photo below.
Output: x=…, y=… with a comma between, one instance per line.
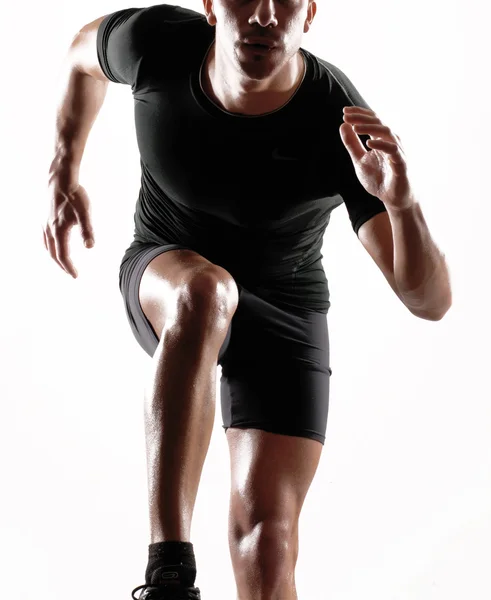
x=263, y=48
x=259, y=49
x=265, y=43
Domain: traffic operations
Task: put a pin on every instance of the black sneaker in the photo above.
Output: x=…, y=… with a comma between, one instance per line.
x=160, y=587
x=166, y=592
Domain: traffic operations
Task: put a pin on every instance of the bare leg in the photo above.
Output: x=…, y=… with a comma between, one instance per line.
x=271, y=475
x=180, y=409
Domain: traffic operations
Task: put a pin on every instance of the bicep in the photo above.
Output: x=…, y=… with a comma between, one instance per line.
x=83, y=51
x=111, y=47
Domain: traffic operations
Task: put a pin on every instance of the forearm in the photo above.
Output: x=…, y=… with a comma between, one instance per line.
x=81, y=98
x=420, y=269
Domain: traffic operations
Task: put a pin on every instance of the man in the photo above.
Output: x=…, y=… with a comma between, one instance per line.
x=245, y=151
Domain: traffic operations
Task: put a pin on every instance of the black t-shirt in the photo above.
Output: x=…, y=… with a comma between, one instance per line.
x=253, y=194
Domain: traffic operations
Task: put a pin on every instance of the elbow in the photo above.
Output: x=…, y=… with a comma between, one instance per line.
x=431, y=315
x=434, y=310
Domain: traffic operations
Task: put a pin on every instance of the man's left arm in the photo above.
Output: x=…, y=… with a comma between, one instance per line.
x=420, y=271
x=419, y=274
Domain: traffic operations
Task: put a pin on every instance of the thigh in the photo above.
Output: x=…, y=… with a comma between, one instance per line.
x=149, y=284
x=276, y=370
x=270, y=477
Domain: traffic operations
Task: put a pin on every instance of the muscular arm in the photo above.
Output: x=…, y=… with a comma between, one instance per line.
x=83, y=88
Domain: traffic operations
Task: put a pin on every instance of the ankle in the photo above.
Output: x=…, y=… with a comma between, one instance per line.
x=172, y=561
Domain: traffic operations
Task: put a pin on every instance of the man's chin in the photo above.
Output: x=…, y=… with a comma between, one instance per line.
x=255, y=66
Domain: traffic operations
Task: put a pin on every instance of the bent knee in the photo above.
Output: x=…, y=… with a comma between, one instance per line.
x=208, y=289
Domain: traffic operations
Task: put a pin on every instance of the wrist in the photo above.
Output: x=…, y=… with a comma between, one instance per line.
x=63, y=169
x=409, y=206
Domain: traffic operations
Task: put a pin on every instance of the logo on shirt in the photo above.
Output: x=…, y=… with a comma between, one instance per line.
x=278, y=156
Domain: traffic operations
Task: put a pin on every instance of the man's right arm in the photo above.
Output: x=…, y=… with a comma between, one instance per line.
x=83, y=87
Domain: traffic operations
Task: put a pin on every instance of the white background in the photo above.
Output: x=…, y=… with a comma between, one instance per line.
x=400, y=508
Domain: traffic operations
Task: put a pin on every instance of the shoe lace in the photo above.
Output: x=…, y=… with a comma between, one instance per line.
x=166, y=592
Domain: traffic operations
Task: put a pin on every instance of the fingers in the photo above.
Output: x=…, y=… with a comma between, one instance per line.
x=62, y=252
x=51, y=247
x=57, y=246
x=84, y=219
x=86, y=229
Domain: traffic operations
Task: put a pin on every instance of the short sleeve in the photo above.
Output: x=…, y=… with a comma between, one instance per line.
x=361, y=205
x=120, y=42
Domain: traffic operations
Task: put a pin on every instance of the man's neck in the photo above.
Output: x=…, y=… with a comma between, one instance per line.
x=253, y=103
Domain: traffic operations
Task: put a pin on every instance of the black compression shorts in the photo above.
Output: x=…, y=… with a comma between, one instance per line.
x=275, y=363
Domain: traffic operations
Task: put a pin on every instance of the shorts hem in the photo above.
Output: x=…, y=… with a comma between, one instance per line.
x=305, y=433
